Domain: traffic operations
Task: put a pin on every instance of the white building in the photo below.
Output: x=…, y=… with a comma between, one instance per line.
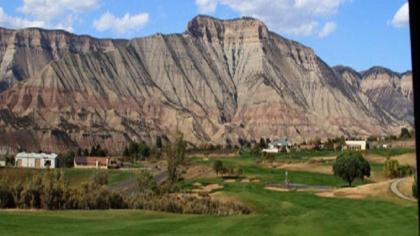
x=278, y=146
x=2, y=163
x=356, y=145
x=36, y=160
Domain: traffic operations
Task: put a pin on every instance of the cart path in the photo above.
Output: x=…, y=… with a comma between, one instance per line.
x=396, y=191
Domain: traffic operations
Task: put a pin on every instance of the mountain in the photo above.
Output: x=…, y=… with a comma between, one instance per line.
x=221, y=81
x=390, y=90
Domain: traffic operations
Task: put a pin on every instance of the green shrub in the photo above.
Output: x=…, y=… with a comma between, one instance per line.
x=391, y=168
x=218, y=167
x=405, y=170
x=414, y=188
x=146, y=183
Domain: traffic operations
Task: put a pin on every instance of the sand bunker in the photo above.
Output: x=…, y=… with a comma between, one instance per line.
x=278, y=189
x=380, y=189
x=206, y=189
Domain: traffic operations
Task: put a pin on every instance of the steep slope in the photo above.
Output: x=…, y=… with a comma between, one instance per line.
x=391, y=91
x=24, y=52
x=220, y=81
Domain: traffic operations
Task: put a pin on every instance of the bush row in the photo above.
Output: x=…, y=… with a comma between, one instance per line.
x=50, y=190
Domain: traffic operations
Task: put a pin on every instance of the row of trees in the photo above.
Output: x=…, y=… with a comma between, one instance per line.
x=137, y=151
x=50, y=190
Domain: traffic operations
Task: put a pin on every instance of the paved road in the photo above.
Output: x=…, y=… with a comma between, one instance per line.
x=396, y=191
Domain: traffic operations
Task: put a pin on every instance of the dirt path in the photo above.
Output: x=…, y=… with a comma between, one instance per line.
x=394, y=189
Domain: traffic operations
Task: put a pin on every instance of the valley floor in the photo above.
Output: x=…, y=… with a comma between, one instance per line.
x=273, y=212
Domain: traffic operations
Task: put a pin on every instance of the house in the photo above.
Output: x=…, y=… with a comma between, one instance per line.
x=2, y=163
x=92, y=162
x=357, y=145
x=36, y=160
x=278, y=145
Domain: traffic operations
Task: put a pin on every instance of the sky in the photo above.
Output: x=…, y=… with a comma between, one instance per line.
x=355, y=33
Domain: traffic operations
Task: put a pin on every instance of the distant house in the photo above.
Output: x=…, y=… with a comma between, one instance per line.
x=2, y=163
x=36, y=160
x=92, y=162
x=278, y=145
x=356, y=145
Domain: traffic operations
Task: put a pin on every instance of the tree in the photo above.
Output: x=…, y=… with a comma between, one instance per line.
x=405, y=134
x=218, y=167
x=66, y=159
x=144, y=150
x=175, y=154
x=98, y=151
x=10, y=160
x=137, y=151
x=391, y=168
x=85, y=152
x=126, y=153
x=159, y=142
x=79, y=152
x=350, y=166
x=262, y=143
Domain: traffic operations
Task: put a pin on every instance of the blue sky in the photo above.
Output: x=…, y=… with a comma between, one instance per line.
x=356, y=33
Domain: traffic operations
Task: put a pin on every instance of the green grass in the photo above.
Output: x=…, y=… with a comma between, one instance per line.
x=306, y=154
x=392, y=151
x=274, y=213
x=74, y=176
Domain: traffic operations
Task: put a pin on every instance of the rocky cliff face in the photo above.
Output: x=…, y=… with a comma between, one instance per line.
x=391, y=91
x=219, y=81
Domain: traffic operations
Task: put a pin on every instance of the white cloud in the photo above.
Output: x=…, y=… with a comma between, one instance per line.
x=50, y=9
x=401, y=18
x=206, y=6
x=121, y=24
x=328, y=28
x=17, y=22
x=57, y=13
x=298, y=17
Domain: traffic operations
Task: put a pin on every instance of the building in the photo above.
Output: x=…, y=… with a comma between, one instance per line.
x=356, y=145
x=2, y=163
x=278, y=145
x=92, y=162
x=36, y=160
